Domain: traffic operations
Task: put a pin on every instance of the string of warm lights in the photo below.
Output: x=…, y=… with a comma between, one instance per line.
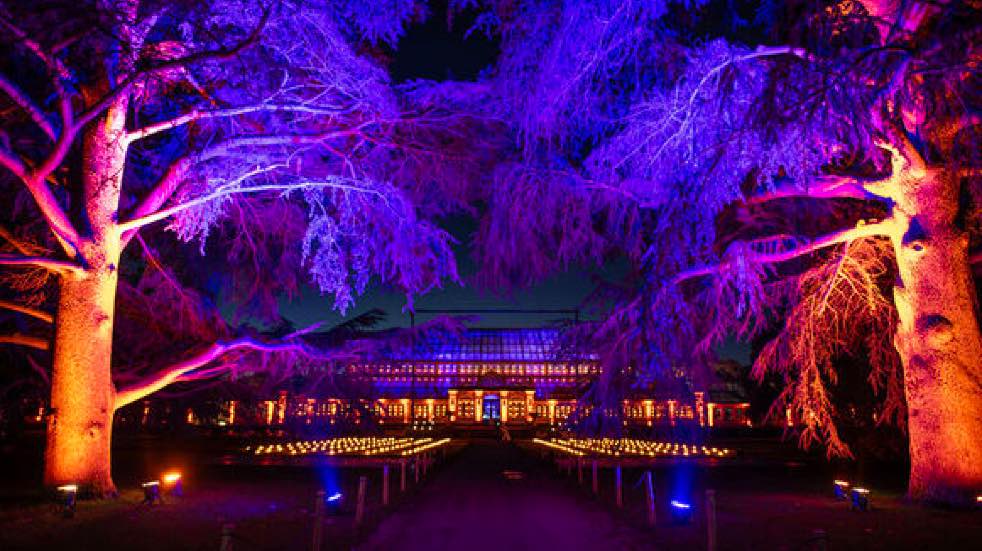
x=557, y=446
x=350, y=446
x=425, y=446
x=630, y=447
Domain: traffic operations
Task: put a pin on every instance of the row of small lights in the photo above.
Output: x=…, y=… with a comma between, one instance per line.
x=348, y=446
x=425, y=446
x=631, y=446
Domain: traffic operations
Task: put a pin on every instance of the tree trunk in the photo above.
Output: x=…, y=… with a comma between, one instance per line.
x=82, y=392
x=939, y=341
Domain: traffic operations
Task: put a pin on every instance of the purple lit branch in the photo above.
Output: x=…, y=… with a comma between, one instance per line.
x=184, y=369
x=844, y=236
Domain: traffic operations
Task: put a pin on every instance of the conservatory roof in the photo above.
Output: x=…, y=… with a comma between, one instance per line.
x=490, y=345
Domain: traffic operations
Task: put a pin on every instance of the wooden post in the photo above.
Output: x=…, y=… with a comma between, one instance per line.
x=650, y=491
x=385, y=485
x=618, y=488
x=226, y=544
x=360, y=506
x=710, y=520
x=318, y=536
x=402, y=475
x=579, y=470
x=821, y=539
x=596, y=484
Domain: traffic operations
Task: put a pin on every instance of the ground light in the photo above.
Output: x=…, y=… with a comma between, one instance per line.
x=174, y=483
x=681, y=511
x=841, y=489
x=69, y=493
x=333, y=503
x=151, y=492
x=860, y=499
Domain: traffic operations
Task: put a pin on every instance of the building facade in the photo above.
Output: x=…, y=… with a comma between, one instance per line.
x=512, y=377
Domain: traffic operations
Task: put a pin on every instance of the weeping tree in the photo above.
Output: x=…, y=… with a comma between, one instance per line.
x=261, y=135
x=800, y=169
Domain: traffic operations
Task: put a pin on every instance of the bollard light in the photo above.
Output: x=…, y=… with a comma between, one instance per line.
x=174, y=483
x=841, y=489
x=333, y=503
x=860, y=499
x=69, y=493
x=151, y=492
x=681, y=511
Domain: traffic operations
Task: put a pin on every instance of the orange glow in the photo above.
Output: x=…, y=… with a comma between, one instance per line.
x=700, y=408
x=231, y=412
x=270, y=406
x=478, y=405
x=504, y=406
x=529, y=404
x=68, y=488
x=281, y=408
x=171, y=477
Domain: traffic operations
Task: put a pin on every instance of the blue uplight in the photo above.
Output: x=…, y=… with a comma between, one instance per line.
x=680, y=505
x=334, y=497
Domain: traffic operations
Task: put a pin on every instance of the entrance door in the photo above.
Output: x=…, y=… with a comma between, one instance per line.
x=492, y=408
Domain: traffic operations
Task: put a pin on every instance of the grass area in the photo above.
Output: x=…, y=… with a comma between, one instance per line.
x=764, y=501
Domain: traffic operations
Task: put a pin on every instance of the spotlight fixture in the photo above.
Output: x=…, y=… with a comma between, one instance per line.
x=841, y=489
x=860, y=499
x=174, y=483
x=681, y=511
x=333, y=502
x=151, y=492
x=69, y=493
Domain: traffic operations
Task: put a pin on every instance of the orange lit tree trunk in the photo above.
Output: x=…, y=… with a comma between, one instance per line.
x=938, y=339
x=82, y=392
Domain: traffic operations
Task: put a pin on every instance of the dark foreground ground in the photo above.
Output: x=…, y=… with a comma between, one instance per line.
x=467, y=503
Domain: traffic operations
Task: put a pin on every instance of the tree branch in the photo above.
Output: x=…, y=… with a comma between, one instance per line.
x=28, y=105
x=180, y=370
x=28, y=249
x=58, y=266
x=160, y=193
x=25, y=340
x=26, y=310
x=234, y=189
x=830, y=187
x=196, y=115
x=844, y=236
x=219, y=54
